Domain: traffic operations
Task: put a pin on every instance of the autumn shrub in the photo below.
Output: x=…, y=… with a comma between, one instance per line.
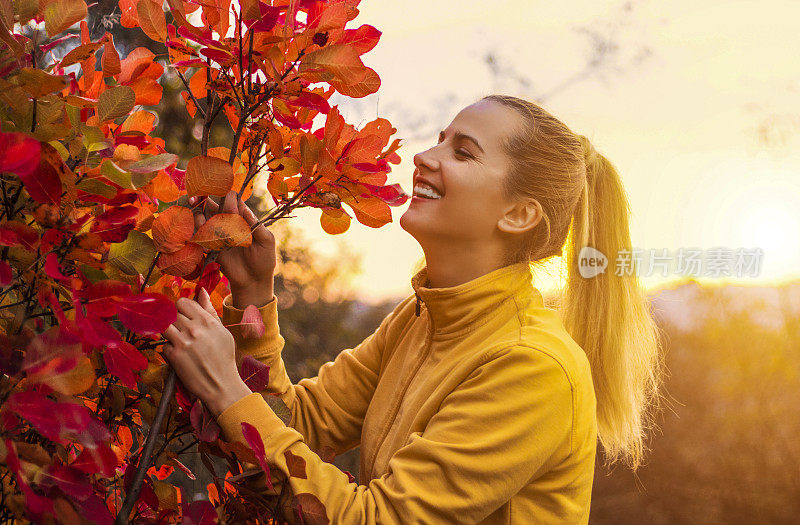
x=98, y=239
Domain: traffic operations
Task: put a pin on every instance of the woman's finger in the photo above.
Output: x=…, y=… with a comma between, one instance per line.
x=181, y=322
x=205, y=301
x=173, y=335
x=189, y=308
x=229, y=204
x=211, y=208
x=261, y=233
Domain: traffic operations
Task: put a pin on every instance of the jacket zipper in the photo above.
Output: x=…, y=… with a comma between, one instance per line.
x=391, y=421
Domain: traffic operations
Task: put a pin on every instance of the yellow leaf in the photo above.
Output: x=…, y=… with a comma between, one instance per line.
x=115, y=102
x=59, y=15
x=134, y=255
x=38, y=83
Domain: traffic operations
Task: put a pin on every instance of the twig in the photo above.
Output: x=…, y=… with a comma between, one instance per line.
x=147, y=450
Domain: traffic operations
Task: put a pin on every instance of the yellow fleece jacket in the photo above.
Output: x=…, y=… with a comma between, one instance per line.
x=471, y=404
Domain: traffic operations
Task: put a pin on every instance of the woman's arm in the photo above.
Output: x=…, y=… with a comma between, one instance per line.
x=506, y=424
x=327, y=410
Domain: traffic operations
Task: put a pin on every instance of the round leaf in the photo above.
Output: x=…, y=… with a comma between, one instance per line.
x=208, y=176
x=172, y=229
x=115, y=102
x=223, y=231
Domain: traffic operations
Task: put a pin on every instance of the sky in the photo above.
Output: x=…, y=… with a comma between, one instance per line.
x=696, y=104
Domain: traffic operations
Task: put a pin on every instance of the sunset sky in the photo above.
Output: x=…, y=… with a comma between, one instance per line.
x=698, y=106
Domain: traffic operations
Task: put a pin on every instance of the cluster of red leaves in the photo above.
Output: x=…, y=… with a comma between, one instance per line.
x=98, y=241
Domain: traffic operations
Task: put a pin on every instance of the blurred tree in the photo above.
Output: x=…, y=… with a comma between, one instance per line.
x=727, y=451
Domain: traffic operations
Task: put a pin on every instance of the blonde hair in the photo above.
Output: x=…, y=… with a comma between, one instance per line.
x=584, y=204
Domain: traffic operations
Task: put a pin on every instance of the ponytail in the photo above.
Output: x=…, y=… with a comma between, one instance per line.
x=608, y=315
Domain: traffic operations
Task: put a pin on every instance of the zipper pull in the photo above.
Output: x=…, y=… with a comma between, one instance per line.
x=418, y=303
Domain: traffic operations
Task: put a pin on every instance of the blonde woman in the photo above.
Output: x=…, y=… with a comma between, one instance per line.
x=472, y=402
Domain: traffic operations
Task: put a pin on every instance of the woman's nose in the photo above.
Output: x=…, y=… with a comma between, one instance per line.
x=426, y=158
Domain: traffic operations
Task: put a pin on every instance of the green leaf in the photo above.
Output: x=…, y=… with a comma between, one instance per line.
x=134, y=255
x=153, y=163
x=279, y=407
x=97, y=187
x=115, y=102
x=116, y=174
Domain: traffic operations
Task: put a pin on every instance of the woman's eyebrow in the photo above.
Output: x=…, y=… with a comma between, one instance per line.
x=463, y=136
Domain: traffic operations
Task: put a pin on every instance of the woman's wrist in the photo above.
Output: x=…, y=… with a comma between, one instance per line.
x=230, y=395
x=255, y=294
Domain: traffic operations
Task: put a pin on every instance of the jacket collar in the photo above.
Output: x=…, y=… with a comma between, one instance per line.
x=459, y=306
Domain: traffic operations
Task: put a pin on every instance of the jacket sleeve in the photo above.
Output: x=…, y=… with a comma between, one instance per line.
x=327, y=410
x=507, y=423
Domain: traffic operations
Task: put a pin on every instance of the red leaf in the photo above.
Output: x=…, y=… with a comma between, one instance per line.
x=19, y=153
x=203, y=422
x=200, y=512
x=15, y=233
x=52, y=269
x=253, y=439
x=94, y=509
x=393, y=195
x=98, y=460
x=254, y=373
x=147, y=313
x=124, y=360
x=309, y=509
x=252, y=323
x=44, y=184
x=71, y=481
x=6, y=274
x=361, y=39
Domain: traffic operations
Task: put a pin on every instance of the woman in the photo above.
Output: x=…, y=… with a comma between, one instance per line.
x=472, y=402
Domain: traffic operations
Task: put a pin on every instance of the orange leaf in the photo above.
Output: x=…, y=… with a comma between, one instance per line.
x=223, y=231
x=135, y=64
x=340, y=60
x=190, y=106
x=208, y=176
x=140, y=121
x=371, y=212
x=151, y=20
x=198, y=84
x=129, y=17
x=110, y=61
x=164, y=188
x=366, y=86
x=173, y=228
x=183, y=262
x=148, y=91
x=334, y=221
x=80, y=53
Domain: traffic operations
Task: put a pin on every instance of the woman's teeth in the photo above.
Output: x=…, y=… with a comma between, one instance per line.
x=426, y=192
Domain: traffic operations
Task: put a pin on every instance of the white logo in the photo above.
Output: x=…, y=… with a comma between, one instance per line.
x=591, y=262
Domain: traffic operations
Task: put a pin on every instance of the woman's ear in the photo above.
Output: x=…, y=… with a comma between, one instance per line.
x=521, y=217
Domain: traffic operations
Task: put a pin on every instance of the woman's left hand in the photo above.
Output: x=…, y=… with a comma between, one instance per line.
x=202, y=352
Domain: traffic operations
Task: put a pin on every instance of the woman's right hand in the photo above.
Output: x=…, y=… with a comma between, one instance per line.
x=250, y=270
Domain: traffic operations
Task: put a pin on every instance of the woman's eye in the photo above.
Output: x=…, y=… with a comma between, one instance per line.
x=463, y=153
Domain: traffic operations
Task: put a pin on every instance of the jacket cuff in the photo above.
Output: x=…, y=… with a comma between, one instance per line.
x=252, y=409
x=272, y=341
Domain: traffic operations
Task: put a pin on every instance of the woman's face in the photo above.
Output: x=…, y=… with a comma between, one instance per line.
x=458, y=183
